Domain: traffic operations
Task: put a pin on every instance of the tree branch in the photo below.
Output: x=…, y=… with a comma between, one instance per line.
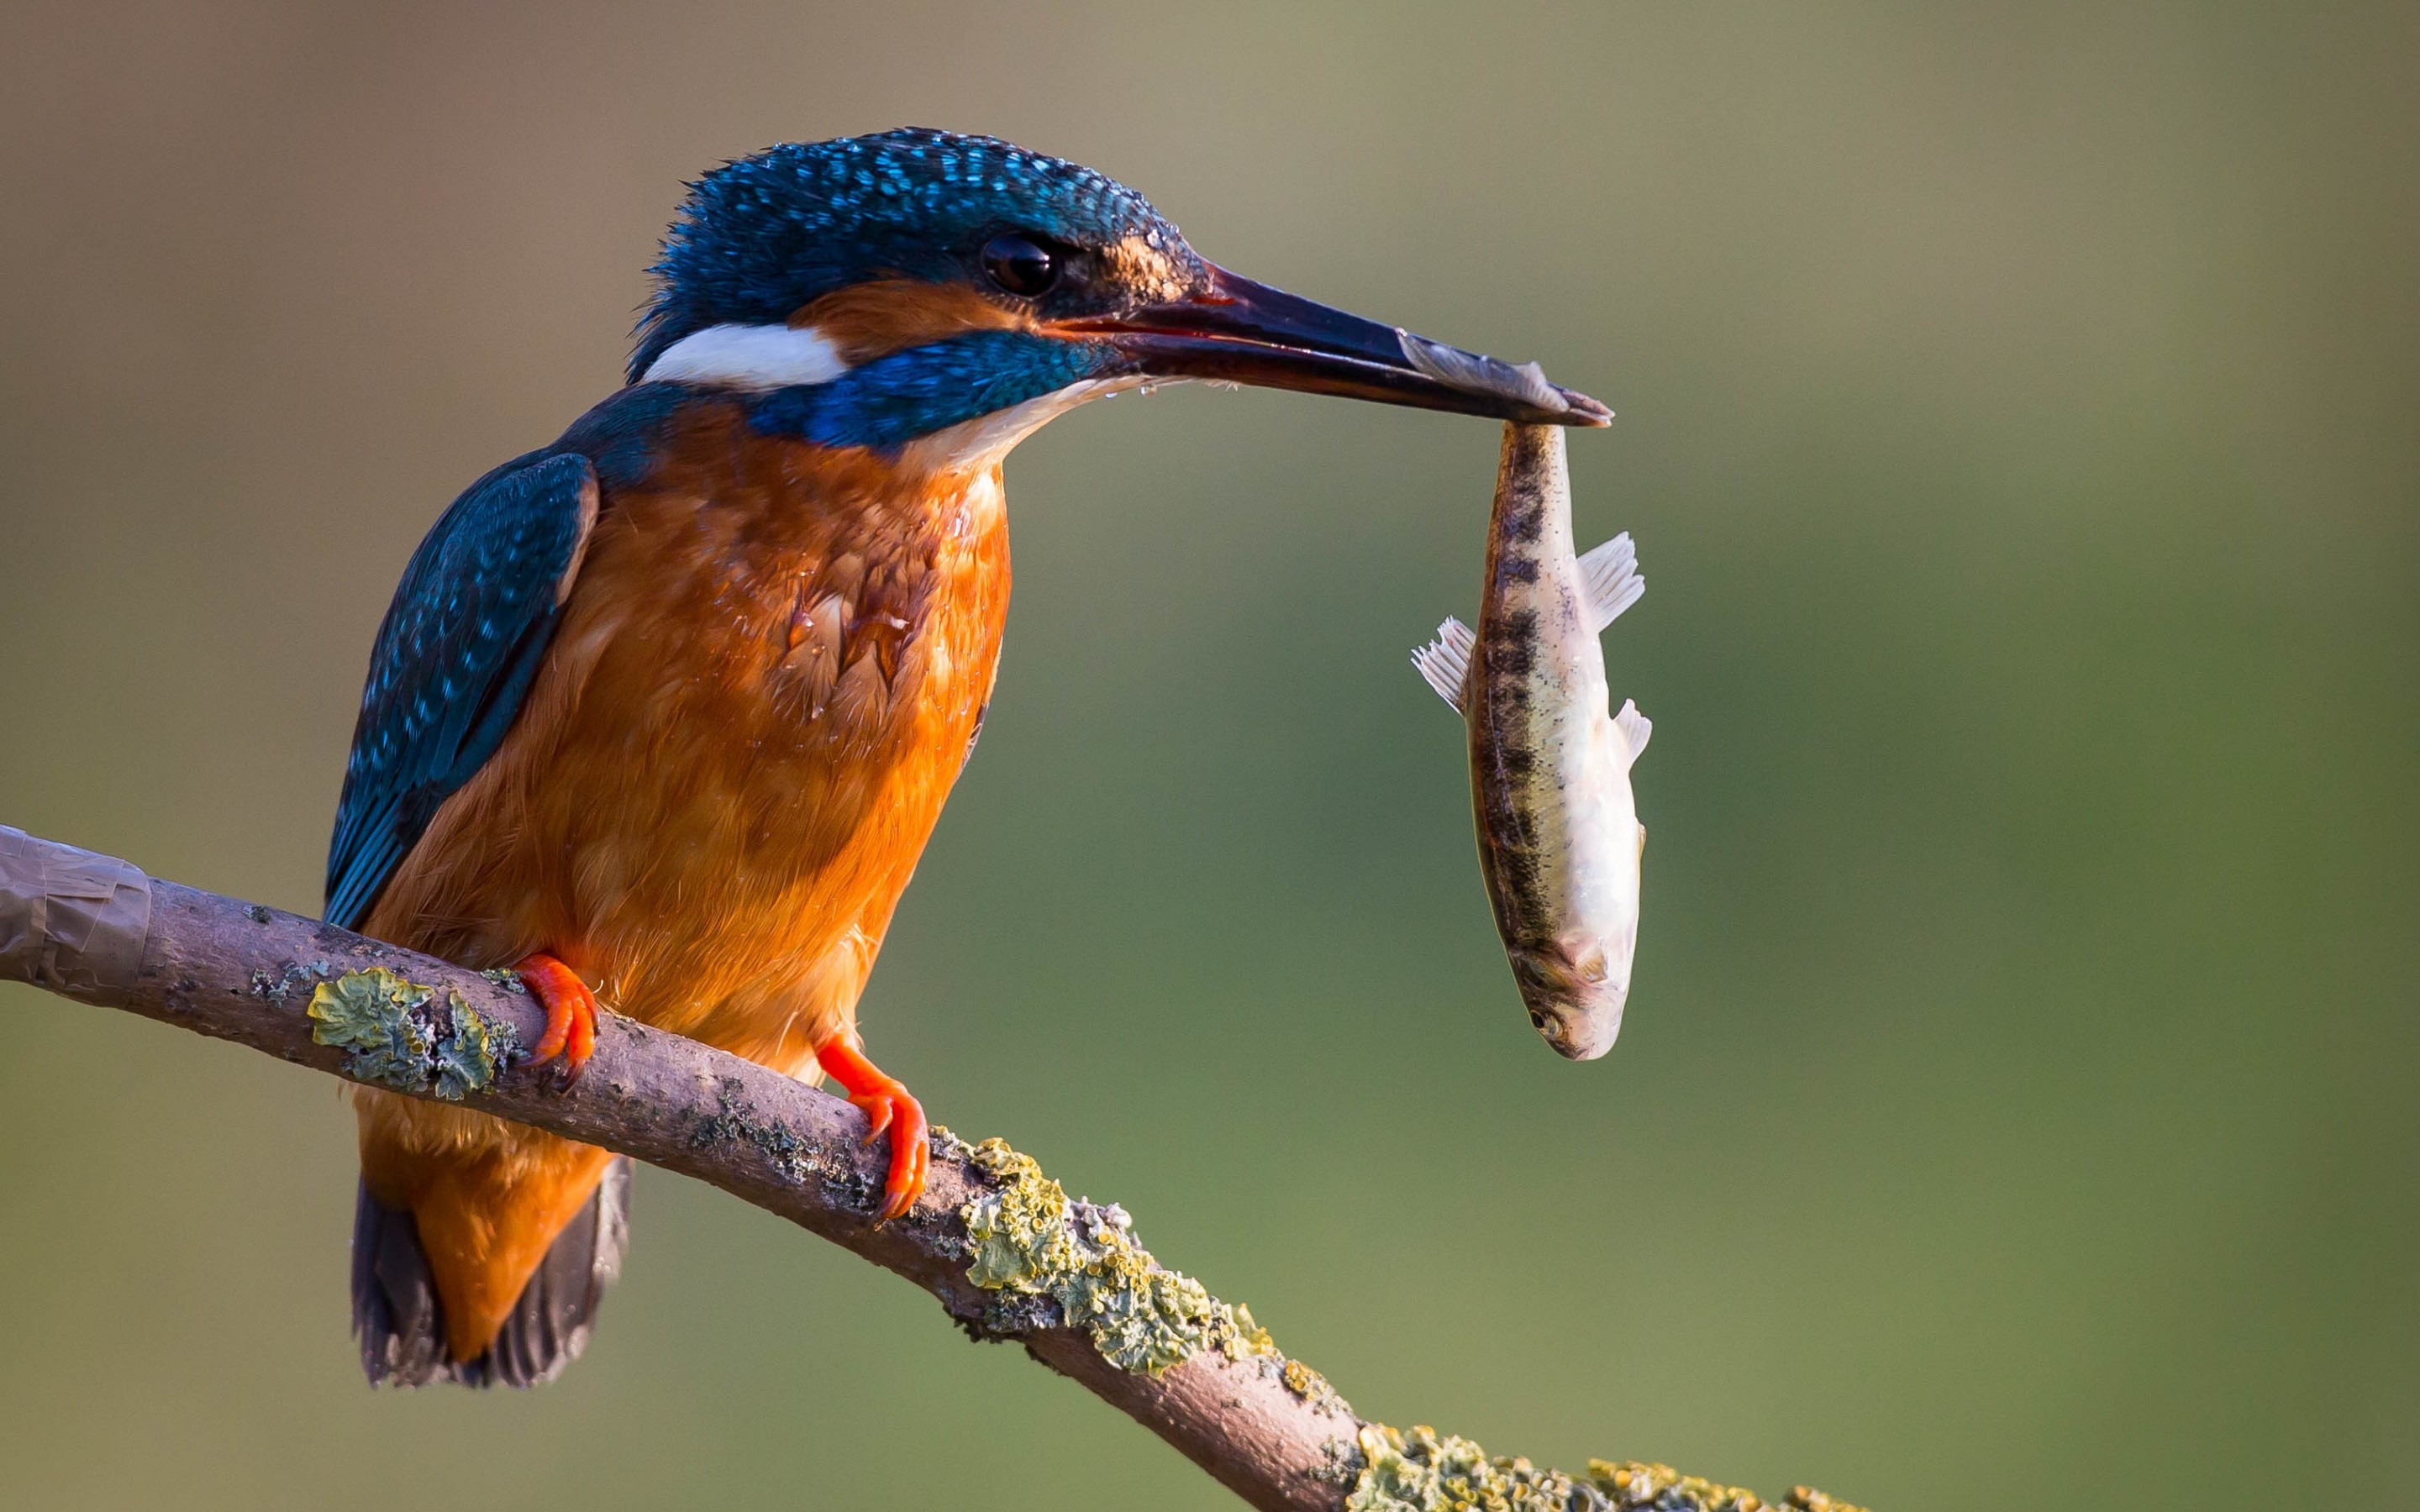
x=998, y=1243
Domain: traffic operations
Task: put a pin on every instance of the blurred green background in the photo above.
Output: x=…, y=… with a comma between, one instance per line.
x=2017, y=1105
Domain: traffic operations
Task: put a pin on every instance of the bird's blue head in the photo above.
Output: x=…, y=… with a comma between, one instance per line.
x=881, y=290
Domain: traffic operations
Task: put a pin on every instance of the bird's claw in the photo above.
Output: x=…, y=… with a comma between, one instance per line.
x=571, y=1014
x=889, y=1107
x=877, y=1108
x=893, y=1110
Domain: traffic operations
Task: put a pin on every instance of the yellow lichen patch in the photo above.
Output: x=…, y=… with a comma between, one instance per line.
x=1421, y=1471
x=394, y=1034
x=1635, y=1485
x=1251, y=1340
x=1660, y=1488
x=1021, y=1231
x=1029, y=1239
x=1310, y=1386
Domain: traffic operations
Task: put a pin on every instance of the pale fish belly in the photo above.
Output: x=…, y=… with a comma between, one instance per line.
x=1590, y=901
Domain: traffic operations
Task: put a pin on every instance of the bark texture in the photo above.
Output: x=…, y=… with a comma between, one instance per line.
x=1269, y=1429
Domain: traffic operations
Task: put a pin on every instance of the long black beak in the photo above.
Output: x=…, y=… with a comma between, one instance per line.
x=1247, y=332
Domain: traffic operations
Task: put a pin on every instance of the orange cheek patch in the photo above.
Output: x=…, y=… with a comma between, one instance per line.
x=890, y=314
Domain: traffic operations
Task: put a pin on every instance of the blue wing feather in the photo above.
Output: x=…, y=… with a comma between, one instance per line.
x=456, y=654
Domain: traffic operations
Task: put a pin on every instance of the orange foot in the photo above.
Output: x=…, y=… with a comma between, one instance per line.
x=888, y=1106
x=570, y=1014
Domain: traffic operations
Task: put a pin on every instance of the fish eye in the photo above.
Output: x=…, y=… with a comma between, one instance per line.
x=1020, y=265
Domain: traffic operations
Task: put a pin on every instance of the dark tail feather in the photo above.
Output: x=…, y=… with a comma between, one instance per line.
x=396, y=1312
x=402, y=1323
x=550, y=1325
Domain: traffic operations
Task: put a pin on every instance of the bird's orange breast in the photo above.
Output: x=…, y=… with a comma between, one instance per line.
x=772, y=664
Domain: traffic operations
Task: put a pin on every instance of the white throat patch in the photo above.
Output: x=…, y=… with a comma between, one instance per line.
x=981, y=442
x=747, y=356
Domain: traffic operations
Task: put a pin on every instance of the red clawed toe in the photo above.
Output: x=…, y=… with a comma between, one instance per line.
x=888, y=1106
x=570, y=1013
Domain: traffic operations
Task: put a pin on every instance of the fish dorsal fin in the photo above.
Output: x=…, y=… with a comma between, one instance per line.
x=1635, y=727
x=1445, y=661
x=1609, y=576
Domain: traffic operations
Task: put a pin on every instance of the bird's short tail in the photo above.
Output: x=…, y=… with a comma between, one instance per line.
x=402, y=1323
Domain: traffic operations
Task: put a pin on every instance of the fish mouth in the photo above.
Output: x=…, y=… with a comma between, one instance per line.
x=1578, y=1033
x=1574, y=999
x=1241, y=331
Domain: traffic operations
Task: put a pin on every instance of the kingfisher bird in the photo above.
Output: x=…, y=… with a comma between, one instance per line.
x=662, y=714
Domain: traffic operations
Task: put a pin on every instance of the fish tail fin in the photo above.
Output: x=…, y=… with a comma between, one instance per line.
x=1444, y=663
x=1609, y=576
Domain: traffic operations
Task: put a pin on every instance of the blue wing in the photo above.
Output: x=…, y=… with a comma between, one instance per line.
x=458, y=651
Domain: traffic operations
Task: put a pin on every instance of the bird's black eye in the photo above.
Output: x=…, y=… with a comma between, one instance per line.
x=1020, y=265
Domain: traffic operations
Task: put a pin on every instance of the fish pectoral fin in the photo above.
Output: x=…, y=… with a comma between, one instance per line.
x=1635, y=727
x=1445, y=663
x=1609, y=576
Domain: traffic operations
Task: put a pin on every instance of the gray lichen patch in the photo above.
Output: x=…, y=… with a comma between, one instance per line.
x=1031, y=1242
x=275, y=987
x=735, y=1121
x=397, y=1033
x=1420, y=1470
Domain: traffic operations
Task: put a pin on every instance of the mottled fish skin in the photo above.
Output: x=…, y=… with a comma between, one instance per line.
x=1559, y=840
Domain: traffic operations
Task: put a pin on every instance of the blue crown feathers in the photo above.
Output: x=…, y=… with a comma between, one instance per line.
x=761, y=237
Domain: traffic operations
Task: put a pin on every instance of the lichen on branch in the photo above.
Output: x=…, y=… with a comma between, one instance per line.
x=399, y=1034
x=1031, y=1240
x=1420, y=1470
